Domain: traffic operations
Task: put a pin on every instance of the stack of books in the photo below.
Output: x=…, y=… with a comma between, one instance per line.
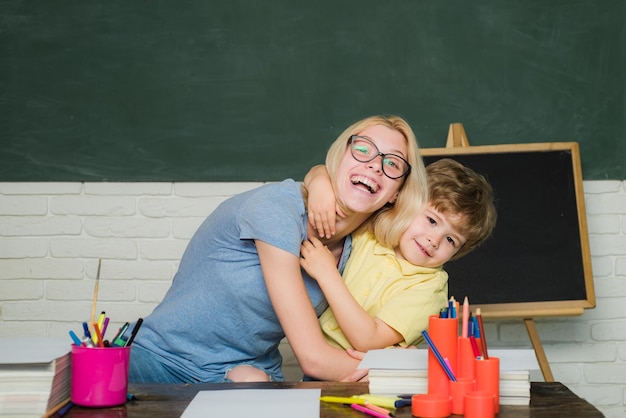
x=405, y=371
x=35, y=376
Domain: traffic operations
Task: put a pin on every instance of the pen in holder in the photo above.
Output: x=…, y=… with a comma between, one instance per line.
x=443, y=333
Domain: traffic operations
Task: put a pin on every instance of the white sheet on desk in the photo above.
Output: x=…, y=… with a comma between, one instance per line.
x=261, y=403
x=407, y=359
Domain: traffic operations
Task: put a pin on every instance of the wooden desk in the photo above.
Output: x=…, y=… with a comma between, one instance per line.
x=550, y=399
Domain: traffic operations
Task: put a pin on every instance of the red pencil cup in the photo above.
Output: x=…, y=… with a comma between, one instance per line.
x=479, y=404
x=444, y=333
x=488, y=378
x=458, y=390
x=100, y=375
x=430, y=406
x=466, y=359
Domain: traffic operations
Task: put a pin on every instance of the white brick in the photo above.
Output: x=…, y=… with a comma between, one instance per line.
x=40, y=188
x=93, y=205
x=21, y=290
x=611, y=373
x=93, y=248
x=224, y=189
x=83, y=291
x=153, y=292
x=47, y=268
x=23, y=247
x=609, y=331
x=622, y=353
x=162, y=250
x=603, y=224
x=567, y=373
x=134, y=269
x=603, y=245
x=44, y=311
x=40, y=225
x=606, y=204
x=601, y=266
x=602, y=186
x=611, y=287
x=104, y=227
x=607, y=309
x=155, y=207
x=583, y=353
x=184, y=228
x=23, y=205
x=12, y=329
x=129, y=189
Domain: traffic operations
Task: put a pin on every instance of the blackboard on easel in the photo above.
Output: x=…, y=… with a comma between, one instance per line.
x=537, y=263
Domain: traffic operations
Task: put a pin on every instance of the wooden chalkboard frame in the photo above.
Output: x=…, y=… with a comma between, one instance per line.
x=458, y=145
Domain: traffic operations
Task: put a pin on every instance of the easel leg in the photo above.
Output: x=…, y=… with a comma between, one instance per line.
x=539, y=353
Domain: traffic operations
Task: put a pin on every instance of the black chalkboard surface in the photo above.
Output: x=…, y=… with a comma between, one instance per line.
x=240, y=90
x=537, y=262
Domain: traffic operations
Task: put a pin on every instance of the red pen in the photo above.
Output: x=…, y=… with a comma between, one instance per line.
x=474, y=346
x=483, y=337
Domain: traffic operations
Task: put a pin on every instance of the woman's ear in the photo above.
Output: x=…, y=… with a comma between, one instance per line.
x=393, y=199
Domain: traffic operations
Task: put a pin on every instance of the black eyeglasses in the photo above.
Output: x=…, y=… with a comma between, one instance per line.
x=364, y=150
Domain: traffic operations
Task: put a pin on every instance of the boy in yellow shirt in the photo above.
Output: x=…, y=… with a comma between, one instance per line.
x=391, y=286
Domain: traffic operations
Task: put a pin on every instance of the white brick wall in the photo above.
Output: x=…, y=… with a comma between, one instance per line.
x=52, y=235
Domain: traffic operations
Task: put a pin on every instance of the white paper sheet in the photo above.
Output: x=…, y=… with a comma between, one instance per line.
x=260, y=403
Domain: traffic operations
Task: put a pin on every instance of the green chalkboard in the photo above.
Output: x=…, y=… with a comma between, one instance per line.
x=242, y=90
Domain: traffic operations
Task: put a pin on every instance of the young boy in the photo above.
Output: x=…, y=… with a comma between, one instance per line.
x=388, y=292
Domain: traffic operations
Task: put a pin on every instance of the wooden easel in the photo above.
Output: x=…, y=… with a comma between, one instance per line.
x=458, y=138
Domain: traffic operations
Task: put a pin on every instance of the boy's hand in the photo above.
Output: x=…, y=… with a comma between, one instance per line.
x=317, y=259
x=322, y=214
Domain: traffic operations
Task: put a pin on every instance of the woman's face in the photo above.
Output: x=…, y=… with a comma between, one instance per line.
x=363, y=187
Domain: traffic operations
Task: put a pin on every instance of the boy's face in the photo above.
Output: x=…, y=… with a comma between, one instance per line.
x=432, y=238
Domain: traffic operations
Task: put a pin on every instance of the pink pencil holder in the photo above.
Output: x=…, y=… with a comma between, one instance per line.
x=100, y=375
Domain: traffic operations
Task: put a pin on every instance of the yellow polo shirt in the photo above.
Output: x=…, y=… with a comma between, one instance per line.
x=399, y=293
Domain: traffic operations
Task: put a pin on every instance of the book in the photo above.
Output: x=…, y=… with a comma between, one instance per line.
x=405, y=371
x=35, y=376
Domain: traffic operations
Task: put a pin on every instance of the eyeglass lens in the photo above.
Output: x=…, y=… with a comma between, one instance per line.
x=364, y=150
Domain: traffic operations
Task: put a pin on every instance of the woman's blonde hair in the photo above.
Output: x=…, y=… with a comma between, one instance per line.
x=392, y=220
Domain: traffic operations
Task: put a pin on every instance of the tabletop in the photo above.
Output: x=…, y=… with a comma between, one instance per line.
x=548, y=399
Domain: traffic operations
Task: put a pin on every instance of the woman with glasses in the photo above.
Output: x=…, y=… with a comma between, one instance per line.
x=239, y=289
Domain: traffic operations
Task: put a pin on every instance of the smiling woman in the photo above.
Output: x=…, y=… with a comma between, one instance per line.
x=241, y=268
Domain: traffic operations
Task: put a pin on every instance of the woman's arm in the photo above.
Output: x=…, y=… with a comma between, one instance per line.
x=281, y=271
x=364, y=332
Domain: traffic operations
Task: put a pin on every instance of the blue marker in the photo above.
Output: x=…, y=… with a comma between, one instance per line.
x=86, y=328
x=77, y=340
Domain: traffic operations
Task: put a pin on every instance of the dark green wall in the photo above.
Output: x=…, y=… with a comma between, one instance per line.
x=198, y=90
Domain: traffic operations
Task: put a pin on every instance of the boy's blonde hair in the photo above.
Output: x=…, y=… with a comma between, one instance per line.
x=393, y=219
x=459, y=190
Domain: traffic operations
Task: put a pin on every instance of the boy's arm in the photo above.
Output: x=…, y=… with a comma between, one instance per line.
x=364, y=332
x=321, y=203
